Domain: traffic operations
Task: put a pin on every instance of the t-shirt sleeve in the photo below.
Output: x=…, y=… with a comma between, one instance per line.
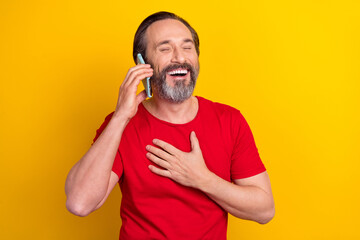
x=117, y=165
x=245, y=161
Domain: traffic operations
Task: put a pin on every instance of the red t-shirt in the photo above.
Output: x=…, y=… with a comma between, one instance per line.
x=155, y=207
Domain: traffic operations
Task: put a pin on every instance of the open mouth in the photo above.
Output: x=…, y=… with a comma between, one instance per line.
x=178, y=72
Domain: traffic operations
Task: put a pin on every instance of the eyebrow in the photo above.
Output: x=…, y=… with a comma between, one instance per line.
x=168, y=41
x=188, y=40
x=162, y=43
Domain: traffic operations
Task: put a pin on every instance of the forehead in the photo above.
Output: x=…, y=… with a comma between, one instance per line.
x=168, y=29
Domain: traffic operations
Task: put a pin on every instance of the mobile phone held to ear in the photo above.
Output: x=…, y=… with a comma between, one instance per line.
x=146, y=81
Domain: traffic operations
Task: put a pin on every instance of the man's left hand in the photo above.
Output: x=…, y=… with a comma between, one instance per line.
x=186, y=168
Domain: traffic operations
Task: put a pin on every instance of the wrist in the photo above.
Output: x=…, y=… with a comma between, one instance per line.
x=120, y=116
x=120, y=119
x=207, y=180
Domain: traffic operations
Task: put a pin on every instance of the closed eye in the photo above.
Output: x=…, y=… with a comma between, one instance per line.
x=164, y=49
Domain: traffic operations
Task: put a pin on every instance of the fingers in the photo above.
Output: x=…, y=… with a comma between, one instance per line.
x=136, y=68
x=166, y=146
x=135, y=77
x=158, y=161
x=159, y=153
x=159, y=171
x=128, y=100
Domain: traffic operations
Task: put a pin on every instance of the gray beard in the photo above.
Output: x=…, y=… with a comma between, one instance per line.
x=180, y=92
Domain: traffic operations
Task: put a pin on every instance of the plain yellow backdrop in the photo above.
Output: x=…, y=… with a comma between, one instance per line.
x=291, y=67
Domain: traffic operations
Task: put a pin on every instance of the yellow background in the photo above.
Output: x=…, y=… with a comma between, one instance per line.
x=291, y=67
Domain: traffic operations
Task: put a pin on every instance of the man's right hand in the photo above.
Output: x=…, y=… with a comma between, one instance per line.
x=128, y=101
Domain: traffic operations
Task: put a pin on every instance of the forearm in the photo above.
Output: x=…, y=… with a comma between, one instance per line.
x=245, y=202
x=87, y=182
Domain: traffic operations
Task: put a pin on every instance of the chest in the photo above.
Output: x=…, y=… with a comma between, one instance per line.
x=214, y=141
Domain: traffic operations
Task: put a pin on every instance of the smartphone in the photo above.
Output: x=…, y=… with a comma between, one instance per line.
x=146, y=81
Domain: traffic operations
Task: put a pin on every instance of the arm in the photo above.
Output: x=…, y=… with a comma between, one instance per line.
x=91, y=179
x=248, y=198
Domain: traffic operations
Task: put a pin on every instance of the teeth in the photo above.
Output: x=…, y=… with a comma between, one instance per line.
x=178, y=72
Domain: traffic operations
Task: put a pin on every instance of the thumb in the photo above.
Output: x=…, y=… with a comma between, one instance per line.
x=141, y=97
x=195, y=146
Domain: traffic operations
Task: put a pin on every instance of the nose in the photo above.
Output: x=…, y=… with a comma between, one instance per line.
x=178, y=56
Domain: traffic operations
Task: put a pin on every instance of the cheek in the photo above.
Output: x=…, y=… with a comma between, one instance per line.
x=195, y=62
x=194, y=58
x=158, y=61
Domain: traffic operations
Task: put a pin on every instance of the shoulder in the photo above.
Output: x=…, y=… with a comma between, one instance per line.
x=103, y=126
x=220, y=109
x=227, y=116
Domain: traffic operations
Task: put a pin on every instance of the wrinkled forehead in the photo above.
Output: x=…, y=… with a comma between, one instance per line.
x=167, y=30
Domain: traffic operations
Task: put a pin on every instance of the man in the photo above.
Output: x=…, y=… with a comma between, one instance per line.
x=182, y=162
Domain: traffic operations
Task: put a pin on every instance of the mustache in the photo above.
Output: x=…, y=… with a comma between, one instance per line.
x=176, y=66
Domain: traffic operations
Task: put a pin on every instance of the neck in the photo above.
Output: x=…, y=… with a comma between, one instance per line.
x=177, y=113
